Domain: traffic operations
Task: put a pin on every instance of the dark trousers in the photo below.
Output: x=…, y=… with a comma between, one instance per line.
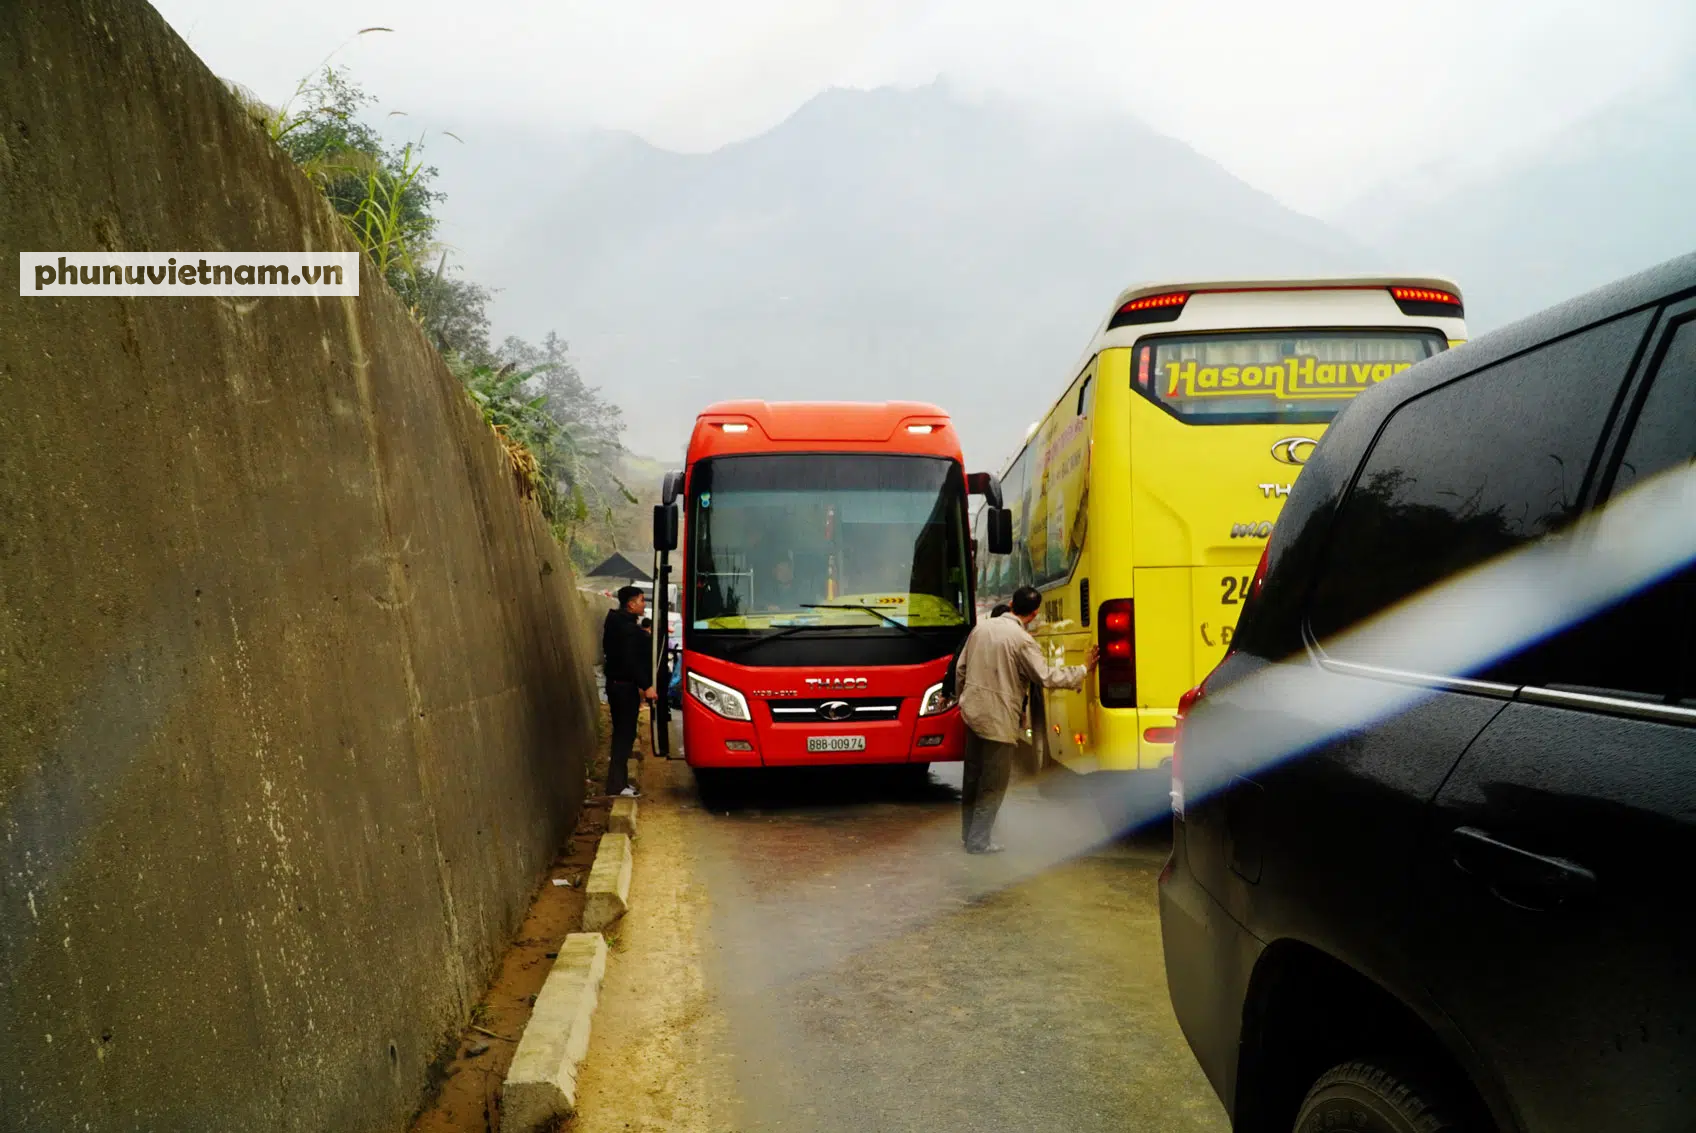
x=988, y=767
x=624, y=703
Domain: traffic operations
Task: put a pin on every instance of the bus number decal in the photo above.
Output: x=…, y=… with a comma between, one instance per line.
x=1236, y=589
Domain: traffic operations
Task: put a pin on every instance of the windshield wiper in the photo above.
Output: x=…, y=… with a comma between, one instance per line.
x=900, y=625
x=739, y=646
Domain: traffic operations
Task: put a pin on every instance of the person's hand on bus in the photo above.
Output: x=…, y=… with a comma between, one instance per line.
x=1092, y=657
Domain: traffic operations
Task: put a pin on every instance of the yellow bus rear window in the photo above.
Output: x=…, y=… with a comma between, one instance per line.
x=1273, y=376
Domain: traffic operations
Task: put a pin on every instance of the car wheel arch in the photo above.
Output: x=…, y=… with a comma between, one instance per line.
x=1306, y=1011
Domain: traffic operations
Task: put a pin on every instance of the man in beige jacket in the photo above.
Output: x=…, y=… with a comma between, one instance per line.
x=1000, y=662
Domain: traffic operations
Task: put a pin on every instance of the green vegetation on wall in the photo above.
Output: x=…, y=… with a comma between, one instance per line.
x=561, y=435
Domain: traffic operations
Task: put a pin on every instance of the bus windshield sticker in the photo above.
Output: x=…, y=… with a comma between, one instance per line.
x=1298, y=377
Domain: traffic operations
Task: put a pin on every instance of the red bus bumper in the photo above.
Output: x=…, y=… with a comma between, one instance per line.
x=710, y=740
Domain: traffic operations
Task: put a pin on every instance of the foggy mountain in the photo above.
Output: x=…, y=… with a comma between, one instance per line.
x=876, y=244
x=1525, y=228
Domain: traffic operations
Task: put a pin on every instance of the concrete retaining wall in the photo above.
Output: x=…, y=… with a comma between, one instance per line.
x=294, y=690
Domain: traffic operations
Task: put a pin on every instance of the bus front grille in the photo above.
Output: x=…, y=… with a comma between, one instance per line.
x=835, y=710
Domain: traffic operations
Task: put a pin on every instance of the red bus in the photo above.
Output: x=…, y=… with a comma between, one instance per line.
x=825, y=580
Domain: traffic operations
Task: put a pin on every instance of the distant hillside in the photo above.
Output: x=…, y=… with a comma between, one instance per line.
x=876, y=244
x=1604, y=198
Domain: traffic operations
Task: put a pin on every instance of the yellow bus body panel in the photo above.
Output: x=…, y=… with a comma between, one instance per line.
x=1171, y=515
x=1163, y=496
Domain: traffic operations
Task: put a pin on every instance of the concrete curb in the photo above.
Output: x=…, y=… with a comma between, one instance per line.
x=607, y=895
x=622, y=819
x=541, y=1083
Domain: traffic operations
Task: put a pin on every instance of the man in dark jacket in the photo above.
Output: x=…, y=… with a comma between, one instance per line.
x=629, y=671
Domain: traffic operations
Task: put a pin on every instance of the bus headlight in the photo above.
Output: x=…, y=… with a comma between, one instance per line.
x=934, y=701
x=722, y=699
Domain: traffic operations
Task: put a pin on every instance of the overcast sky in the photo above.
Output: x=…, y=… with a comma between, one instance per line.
x=1314, y=101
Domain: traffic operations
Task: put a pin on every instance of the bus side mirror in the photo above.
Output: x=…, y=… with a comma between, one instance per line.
x=985, y=485
x=1000, y=531
x=671, y=487
x=665, y=527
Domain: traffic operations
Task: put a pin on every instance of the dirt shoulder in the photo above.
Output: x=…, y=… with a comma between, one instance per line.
x=657, y=1058
x=466, y=1087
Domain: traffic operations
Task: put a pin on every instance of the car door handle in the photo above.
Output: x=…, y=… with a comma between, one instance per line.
x=1519, y=877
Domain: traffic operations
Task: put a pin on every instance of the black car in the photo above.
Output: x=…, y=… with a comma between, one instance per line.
x=1434, y=853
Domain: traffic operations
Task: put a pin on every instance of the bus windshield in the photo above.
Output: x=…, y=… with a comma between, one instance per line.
x=1273, y=376
x=775, y=538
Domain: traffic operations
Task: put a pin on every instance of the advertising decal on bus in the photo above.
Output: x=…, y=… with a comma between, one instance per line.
x=1306, y=376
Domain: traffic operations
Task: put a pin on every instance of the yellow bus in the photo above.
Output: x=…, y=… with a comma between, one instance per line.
x=1142, y=501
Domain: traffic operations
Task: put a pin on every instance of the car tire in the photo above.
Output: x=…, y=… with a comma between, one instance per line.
x=1359, y=1097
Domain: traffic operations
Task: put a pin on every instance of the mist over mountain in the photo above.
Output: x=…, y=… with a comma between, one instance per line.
x=876, y=244
x=1536, y=223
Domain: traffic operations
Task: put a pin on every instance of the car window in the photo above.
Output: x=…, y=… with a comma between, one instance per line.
x=1664, y=434
x=1467, y=472
x=1639, y=648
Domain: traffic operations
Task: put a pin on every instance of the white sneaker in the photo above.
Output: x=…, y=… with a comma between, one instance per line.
x=630, y=793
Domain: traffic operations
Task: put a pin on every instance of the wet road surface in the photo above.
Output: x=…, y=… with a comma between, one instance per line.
x=824, y=957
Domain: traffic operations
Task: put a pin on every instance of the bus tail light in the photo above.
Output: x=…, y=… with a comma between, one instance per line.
x=1427, y=301
x=1150, y=309
x=1116, y=671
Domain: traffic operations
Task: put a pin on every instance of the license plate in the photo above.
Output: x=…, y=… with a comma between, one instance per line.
x=836, y=743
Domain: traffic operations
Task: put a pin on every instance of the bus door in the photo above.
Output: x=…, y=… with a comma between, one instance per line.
x=665, y=659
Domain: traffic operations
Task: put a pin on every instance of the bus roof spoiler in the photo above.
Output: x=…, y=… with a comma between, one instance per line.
x=986, y=485
x=670, y=488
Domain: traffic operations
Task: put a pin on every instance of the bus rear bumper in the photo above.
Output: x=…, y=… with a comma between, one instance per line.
x=1131, y=739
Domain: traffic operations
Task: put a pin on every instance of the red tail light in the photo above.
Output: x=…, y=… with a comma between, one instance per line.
x=1148, y=302
x=1116, y=673
x=1427, y=301
x=1424, y=295
x=1186, y=704
x=1150, y=309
